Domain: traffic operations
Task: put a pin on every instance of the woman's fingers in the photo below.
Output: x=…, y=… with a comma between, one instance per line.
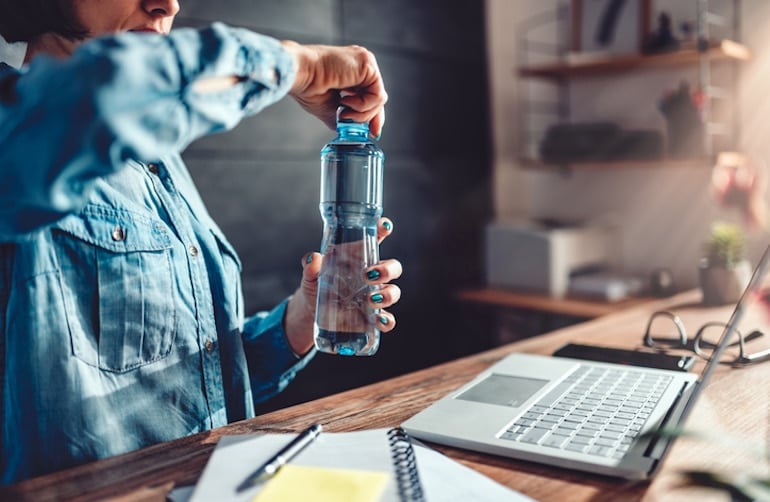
x=330, y=76
x=386, y=296
x=384, y=229
x=385, y=271
x=386, y=321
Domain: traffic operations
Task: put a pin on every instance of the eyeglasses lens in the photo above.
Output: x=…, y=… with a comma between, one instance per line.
x=664, y=331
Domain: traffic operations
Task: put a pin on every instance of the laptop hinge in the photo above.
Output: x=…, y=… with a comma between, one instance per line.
x=660, y=445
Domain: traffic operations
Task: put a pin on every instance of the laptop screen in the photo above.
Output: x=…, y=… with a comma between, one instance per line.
x=745, y=339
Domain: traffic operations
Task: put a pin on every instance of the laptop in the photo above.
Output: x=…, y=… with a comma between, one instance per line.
x=578, y=414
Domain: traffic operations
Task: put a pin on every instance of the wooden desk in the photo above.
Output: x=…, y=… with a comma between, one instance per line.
x=736, y=398
x=577, y=307
x=502, y=316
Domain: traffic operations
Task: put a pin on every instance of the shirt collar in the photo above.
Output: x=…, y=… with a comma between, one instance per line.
x=12, y=54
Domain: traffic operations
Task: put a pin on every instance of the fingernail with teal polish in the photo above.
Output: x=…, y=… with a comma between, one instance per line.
x=388, y=225
x=384, y=320
x=373, y=274
x=309, y=258
x=377, y=298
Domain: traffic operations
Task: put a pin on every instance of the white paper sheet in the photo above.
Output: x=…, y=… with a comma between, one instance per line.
x=443, y=479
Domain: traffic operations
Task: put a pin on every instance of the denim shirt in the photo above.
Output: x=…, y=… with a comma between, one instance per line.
x=121, y=312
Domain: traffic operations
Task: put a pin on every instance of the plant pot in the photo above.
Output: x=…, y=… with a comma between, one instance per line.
x=722, y=285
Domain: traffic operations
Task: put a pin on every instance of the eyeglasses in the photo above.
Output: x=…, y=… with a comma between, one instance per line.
x=665, y=330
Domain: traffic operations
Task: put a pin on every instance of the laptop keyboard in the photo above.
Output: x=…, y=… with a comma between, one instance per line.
x=598, y=411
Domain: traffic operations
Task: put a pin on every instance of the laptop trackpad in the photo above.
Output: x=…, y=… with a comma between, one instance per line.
x=503, y=390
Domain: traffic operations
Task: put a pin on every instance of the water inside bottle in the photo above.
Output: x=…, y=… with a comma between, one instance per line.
x=345, y=344
x=346, y=323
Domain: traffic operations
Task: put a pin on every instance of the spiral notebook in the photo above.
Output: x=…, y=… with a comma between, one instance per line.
x=381, y=465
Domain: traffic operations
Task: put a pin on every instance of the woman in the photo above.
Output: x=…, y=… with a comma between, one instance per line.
x=121, y=320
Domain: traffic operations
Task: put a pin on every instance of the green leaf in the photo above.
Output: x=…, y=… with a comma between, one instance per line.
x=740, y=488
x=726, y=244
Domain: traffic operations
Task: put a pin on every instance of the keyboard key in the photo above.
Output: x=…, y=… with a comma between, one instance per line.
x=545, y=425
x=581, y=440
x=555, y=441
x=580, y=448
x=601, y=451
x=510, y=435
x=533, y=436
x=604, y=442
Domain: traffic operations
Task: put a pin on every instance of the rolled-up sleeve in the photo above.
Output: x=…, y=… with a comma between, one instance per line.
x=64, y=123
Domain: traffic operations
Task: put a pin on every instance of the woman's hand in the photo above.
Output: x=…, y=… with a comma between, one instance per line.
x=329, y=77
x=300, y=312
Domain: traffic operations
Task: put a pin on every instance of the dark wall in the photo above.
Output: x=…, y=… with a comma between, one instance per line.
x=261, y=180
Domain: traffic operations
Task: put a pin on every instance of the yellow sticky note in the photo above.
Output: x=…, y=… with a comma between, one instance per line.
x=297, y=483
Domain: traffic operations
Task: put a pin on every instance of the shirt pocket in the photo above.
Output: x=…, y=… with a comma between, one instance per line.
x=117, y=286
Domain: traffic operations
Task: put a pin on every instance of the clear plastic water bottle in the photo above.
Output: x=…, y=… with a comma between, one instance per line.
x=351, y=205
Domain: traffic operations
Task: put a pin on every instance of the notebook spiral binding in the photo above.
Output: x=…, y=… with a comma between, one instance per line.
x=405, y=465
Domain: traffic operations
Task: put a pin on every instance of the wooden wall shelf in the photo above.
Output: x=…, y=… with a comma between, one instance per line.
x=577, y=307
x=593, y=65
x=531, y=163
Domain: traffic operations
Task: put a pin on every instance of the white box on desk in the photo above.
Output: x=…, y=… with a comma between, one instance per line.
x=528, y=255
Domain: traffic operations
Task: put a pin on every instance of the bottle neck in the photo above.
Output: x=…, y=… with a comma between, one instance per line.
x=353, y=131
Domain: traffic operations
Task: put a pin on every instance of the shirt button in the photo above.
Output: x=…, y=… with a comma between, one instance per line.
x=118, y=234
x=153, y=168
x=193, y=250
x=209, y=345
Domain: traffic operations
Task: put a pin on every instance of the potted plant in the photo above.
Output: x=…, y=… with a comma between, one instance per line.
x=724, y=271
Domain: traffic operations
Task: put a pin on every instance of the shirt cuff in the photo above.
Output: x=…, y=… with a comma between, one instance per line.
x=272, y=362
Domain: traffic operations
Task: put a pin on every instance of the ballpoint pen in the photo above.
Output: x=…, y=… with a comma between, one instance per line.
x=291, y=450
